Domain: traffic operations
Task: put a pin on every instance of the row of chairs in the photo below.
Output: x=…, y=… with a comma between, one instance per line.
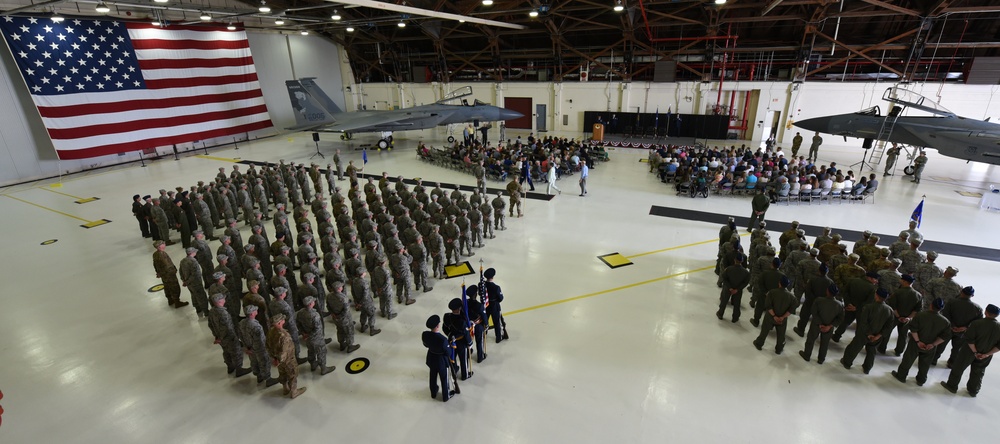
x=818, y=196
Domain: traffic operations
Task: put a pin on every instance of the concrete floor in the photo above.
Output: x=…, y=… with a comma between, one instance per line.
x=632, y=354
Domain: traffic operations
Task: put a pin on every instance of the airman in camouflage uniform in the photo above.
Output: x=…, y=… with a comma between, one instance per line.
x=363, y=297
x=254, y=339
x=926, y=272
x=381, y=285
x=339, y=308
x=280, y=347
x=311, y=327
x=161, y=220
x=846, y=272
x=191, y=277
x=499, y=216
x=167, y=272
x=487, y=211
x=464, y=234
x=222, y=328
x=253, y=298
x=399, y=263
x=419, y=266
x=943, y=287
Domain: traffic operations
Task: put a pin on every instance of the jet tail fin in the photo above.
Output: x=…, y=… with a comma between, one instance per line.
x=308, y=111
x=324, y=100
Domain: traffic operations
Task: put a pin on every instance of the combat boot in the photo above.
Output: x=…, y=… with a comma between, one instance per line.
x=326, y=370
x=375, y=331
x=241, y=372
x=352, y=348
x=298, y=392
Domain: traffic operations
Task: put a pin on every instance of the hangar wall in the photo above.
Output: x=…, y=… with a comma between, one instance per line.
x=26, y=152
x=795, y=101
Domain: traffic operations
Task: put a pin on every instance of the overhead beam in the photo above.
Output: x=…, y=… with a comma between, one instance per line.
x=861, y=53
x=893, y=7
x=385, y=6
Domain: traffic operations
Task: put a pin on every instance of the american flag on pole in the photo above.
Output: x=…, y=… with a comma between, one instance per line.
x=105, y=87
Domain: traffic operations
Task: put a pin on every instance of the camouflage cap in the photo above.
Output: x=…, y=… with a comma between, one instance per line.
x=218, y=275
x=278, y=318
x=814, y=251
x=221, y=258
x=217, y=297
x=250, y=309
x=279, y=290
x=836, y=237
x=874, y=238
x=280, y=267
x=308, y=300
x=932, y=255
x=198, y=233
x=337, y=284
x=249, y=247
x=191, y=250
x=253, y=283
x=156, y=244
x=952, y=270
x=308, y=276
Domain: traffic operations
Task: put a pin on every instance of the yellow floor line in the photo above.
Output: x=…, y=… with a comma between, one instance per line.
x=47, y=208
x=221, y=159
x=46, y=188
x=677, y=247
x=610, y=290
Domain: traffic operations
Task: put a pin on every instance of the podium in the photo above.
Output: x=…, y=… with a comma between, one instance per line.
x=598, y=132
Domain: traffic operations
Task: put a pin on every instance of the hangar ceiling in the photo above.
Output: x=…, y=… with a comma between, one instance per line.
x=910, y=40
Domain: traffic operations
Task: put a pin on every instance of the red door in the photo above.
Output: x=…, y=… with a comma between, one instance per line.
x=521, y=105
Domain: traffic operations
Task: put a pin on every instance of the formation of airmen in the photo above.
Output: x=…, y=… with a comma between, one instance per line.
x=880, y=289
x=373, y=243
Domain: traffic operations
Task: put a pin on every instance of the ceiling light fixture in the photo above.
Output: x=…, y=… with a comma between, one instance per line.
x=720, y=2
x=57, y=18
x=533, y=13
x=160, y=1
x=350, y=29
x=401, y=24
x=461, y=21
x=206, y=16
x=279, y=22
x=487, y=2
x=102, y=8
x=304, y=33
x=263, y=7
x=231, y=27
x=336, y=15
x=619, y=7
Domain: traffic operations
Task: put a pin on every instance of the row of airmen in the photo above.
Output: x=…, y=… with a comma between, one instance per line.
x=254, y=262
x=877, y=297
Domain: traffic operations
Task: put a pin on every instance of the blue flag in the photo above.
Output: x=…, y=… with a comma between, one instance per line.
x=918, y=213
x=364, y=155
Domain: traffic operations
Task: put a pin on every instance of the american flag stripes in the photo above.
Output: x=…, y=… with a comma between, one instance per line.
x=105, y=87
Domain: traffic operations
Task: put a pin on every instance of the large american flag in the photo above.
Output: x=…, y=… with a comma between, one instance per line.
x=104, y=87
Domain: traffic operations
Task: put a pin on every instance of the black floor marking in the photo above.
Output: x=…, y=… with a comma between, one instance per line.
x=987, y=254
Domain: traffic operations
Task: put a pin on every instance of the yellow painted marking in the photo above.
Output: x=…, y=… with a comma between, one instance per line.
x=643, y=160
x=970, y=194
x=677, y=247
x=221, y=159
x=95, y=223
x=56, y=185
x=61, y=193
x=47, y=208
x=458, y=270
x=155, y=288
x=50, y=241
x=610, y=290
x=86, y=200
x=615, y=260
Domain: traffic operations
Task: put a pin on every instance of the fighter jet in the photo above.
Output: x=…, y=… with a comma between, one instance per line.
x=315, y=111
x=952, y=135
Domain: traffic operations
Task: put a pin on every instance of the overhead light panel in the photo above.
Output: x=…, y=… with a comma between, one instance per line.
x=155, y=22
x=461, y=21
x=206, y=16
x=160, y=1
x=487, y=2
x=231, y=27
x=720, y=2
x=304, y=33
x=533, y=13
x=264, y=8
x=401, y=24
x=279, y=22
x=350, y=29
x=102, y=8
x=412, y=11
x=57, y=18
x=336, y=15
x=619, y=7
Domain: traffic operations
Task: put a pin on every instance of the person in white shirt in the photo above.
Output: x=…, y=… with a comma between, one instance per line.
x=552, y=179
x=584, y=172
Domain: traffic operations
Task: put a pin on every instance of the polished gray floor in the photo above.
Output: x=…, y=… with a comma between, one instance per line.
x=632, y=354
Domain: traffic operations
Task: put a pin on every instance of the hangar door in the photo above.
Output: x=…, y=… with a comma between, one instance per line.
x=523, y=106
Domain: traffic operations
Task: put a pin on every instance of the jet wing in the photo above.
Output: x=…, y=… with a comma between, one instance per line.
x=363, y=121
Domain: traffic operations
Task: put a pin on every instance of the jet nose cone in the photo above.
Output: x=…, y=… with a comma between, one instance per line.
x=818, y=124
x=509, y=114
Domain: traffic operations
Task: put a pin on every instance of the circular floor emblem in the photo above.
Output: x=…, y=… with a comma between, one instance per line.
x=357, y=365
x=155, y=288
x=50, y=242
